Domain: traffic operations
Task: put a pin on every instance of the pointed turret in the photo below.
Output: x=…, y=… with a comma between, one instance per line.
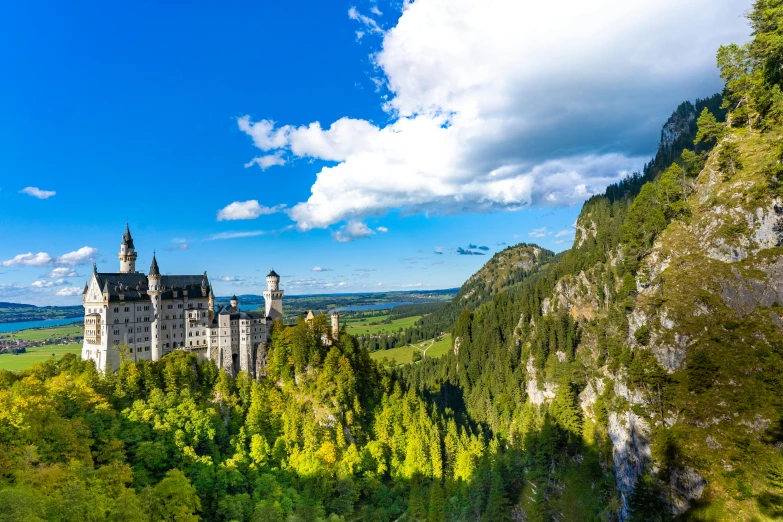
x=234, y=301
x=86, y=287
x=154, y=270
x=127, y=253
x=127, y=240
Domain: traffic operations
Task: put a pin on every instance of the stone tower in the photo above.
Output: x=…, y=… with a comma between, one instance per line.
x=154, y=290
x=335, y=325
x=273, y=297
x=127, y=253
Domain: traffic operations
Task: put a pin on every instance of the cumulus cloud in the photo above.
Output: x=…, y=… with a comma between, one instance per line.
x=502, y=105
x=82, y=256
x=230, y=279
x=69, y=291
x=61, y=271
x=382, y=229
x=180, y=246
x=320, y=269
x=245, y=210
x=29, y=259
x=566, y=232
x=42, y=284
x=352, y=230
x=235, y=235
x=539, y=232
x=38, y=193
x=264, y=162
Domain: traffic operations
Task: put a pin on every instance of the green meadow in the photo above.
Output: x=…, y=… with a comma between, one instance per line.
x=404, y=354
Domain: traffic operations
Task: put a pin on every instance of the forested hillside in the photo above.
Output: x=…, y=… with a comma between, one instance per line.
x=637, y=376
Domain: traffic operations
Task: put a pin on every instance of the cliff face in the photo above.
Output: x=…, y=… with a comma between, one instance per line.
x=699, y=421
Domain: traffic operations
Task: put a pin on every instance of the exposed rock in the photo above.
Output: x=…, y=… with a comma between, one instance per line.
x=630, y=453
x=713, y=443
x=686, y=485
x=535, y=395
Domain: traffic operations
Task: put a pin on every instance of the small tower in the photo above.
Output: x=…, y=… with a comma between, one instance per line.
x=211, y=302
x=154, y=290
x=273, y=297
x=127, y=253
x=234, y=301
x=335, y=325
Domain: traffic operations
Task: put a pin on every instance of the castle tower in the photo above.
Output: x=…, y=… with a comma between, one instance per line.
x=127, y=253
x=273, y=297
x=234, y=301
x=154, y=290
x=335, y=325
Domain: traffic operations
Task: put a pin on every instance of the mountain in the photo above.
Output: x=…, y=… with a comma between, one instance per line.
x=636, y=376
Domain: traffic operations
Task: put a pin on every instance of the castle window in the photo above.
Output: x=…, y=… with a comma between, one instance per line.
x=146, y=348
x=126, y=320
x=146, y=308
x=127, y=308
x=138, y=349
x=116, y=309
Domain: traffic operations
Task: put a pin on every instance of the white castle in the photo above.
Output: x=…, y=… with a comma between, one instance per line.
x=151, y=315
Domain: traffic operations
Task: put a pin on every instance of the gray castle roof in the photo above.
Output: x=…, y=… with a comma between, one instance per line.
x=134, y=286
x=127, y=240
x=273, y=274
x=154, y=270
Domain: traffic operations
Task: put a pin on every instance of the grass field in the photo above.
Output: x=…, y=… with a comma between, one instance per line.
x=404, y=354
x=361, y=327
x=41, y=334
x=38, y=354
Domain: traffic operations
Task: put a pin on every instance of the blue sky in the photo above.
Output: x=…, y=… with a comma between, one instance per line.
x=390, y=135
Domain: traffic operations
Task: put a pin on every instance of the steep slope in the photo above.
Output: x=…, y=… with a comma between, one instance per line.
x=507, y=269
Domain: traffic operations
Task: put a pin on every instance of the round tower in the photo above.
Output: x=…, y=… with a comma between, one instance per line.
x=127, y=253
x=273, y=297
x=335, y=325
x=154, y=290
x=234, y=301
x=273, y=281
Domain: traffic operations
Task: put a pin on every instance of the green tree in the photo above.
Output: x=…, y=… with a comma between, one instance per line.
x=173, y=499
x=729, y=159
x=736, y=68
x=709, y=129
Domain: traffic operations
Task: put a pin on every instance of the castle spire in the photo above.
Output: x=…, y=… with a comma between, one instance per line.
x=154, y=270
x=127, y=253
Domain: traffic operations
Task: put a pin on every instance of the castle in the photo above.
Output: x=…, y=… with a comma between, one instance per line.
x=151, y=315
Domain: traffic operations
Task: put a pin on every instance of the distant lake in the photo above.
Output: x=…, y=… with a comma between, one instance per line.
x=26, y=325
x=377, y=306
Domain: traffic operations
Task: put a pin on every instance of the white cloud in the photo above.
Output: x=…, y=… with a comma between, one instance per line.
x=502, y=105
x=42, y=284
x=539, y=232
x=320, y=269
x=234, y=235
x=412, y=285
x=246, y=210
x=82, y=256
x=29, y=259
x=315, y=284
x=179, y=246
x=38, y=193
x=382, y=230
x=264, y=162
x=69, y=291
x=566, y=232
x=371, y=25
x=352, y=230
x=62, y=272
x=230, y=279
